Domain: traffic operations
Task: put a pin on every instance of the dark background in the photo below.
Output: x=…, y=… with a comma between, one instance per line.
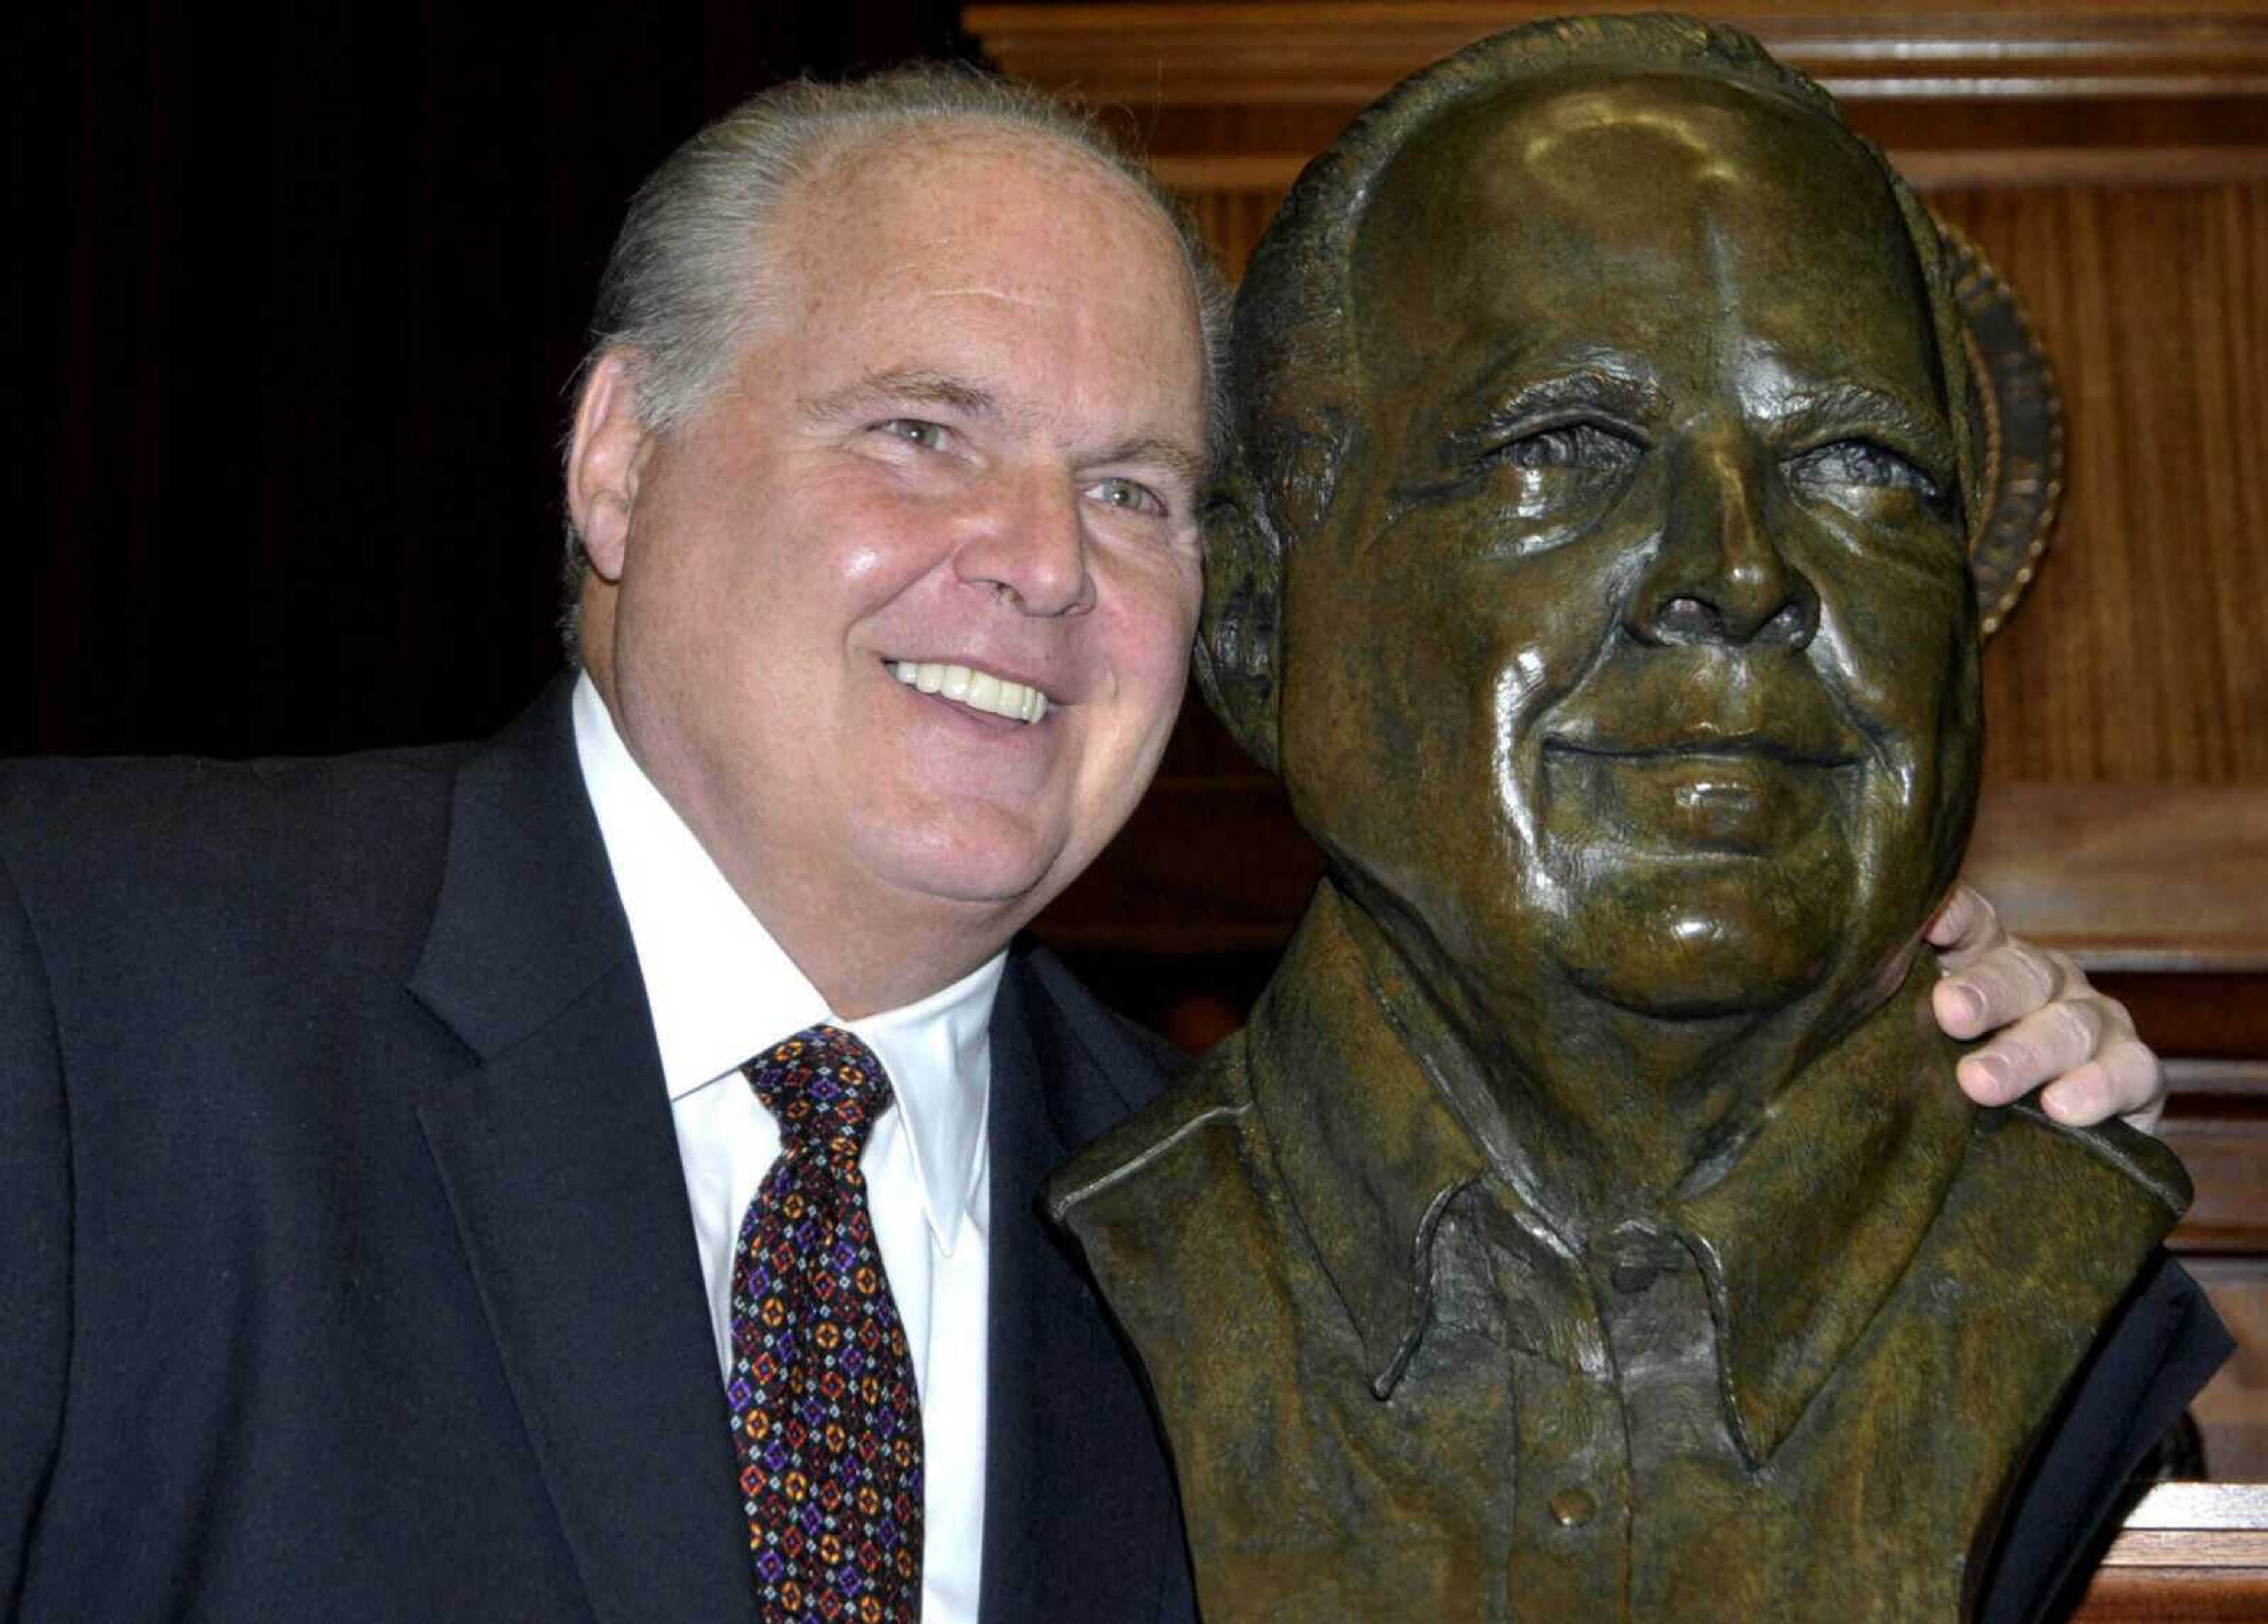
x=296, y=296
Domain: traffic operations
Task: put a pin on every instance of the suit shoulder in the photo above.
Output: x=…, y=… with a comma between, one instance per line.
x=1137, y=1061
x=130, y=861
x=117, y=805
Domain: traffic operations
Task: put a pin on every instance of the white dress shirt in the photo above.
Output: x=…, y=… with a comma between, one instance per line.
x=721, y=990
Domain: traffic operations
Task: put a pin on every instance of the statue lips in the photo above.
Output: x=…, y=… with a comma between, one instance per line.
x=1743, y=777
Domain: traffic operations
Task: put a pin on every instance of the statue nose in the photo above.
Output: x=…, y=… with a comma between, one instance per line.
x=1719, y=575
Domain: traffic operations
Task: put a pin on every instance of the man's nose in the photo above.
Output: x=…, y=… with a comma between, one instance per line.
x=1028, y=543
x=1719, y=575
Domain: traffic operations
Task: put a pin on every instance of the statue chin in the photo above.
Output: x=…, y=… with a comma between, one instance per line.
x=1702, y=956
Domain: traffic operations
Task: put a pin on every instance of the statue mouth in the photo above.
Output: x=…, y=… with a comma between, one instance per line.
x=1725, y=794
x=1791, y=748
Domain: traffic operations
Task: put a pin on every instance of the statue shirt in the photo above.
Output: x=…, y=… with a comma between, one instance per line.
x=1802, y=1390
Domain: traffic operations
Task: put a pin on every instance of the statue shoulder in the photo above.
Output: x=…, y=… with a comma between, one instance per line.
x=2122, y=1157
x=1189, y=1238
x=1175, y=1148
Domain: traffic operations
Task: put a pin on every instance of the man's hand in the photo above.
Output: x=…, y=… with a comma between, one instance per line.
x=2054, y=1025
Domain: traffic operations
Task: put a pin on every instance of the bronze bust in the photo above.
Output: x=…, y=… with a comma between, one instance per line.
x=1586, y=1226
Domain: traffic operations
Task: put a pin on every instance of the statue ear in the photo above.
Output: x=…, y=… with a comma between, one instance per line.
x=1239, y=627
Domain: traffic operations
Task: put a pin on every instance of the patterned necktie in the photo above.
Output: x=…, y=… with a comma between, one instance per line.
x=825, y=1416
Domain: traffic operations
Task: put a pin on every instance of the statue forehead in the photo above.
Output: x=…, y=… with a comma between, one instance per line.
x=1592, y=203
x=1601, y=151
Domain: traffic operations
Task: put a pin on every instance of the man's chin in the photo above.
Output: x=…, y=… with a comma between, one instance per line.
x=1014, y=878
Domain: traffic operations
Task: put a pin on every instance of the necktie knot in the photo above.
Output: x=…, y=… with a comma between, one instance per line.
x=824, y=1088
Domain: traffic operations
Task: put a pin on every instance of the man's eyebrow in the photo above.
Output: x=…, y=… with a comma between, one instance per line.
x=893, y=391
x=1185, y=463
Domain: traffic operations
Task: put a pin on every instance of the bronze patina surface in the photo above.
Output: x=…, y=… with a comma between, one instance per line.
x=1588, y=1226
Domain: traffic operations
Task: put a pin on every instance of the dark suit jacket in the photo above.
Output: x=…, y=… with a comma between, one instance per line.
x=345, y=1266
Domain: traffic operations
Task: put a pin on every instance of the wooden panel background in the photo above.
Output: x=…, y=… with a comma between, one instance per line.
x=2110, y=159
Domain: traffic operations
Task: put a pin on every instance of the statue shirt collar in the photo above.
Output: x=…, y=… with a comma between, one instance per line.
x=1798, y=1236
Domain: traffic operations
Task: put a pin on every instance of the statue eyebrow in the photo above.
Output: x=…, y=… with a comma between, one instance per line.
x=1587, y=388
x=1848, y=405
x=891, y=391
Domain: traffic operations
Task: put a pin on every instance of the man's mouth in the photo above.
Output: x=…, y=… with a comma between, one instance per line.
x=979, y=690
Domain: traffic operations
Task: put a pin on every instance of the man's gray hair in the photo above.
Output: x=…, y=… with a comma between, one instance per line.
x=693, y=273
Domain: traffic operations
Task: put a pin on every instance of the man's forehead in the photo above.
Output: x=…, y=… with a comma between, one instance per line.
x=976, y=212
x=905, y=184
x=955, y=268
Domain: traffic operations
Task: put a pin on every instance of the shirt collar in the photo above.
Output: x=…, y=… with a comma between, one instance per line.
x=721, y=989
x=1799, y=1242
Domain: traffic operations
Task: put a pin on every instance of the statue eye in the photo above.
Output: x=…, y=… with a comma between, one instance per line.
x=1865, y=464
x=1587, y=446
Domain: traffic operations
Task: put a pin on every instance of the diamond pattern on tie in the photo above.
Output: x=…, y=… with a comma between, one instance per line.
x=824, y=1416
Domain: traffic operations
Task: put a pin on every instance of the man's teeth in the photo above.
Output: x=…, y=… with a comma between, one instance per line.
x=979, y=690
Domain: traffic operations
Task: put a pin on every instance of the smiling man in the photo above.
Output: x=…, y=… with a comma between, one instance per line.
x=1588, y=1226
x=593, y=1173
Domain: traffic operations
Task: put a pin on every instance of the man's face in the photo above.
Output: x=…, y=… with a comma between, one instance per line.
x=969, y=437
x=1639, y=651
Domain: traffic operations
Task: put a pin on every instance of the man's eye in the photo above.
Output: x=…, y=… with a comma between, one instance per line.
x=1862, y=463
x=1131, y=494
x=1580, y=445
x=914, y=432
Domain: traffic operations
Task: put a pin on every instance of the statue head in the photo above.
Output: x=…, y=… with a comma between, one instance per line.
x=1592, y=563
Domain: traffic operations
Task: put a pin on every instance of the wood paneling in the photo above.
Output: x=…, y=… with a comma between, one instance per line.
x=2188, y=1554
x=2196, y=1595
x=2232, y=1412
x=2151, y=876
x=1343, y=55
x=2138, y=656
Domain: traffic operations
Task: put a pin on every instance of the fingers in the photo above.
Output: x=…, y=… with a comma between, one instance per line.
x=2050, y=1027
x=1964, y=928
x=2044, y=1046
x=2124, y=1080
x=1996, y=985
x=2084, y=1049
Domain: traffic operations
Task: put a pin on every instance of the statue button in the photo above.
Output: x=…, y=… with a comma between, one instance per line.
x=1572, y=1508
x=1632, y=1278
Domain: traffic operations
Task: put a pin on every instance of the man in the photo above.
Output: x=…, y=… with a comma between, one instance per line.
x=381, y=1139
x=1586, y=1226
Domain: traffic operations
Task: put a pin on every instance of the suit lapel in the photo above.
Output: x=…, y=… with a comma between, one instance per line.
x=559, y=1155
x=1080, y=1519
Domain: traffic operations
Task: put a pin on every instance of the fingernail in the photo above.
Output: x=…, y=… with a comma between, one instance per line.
x=1990, y=1070
x=1968, y=1003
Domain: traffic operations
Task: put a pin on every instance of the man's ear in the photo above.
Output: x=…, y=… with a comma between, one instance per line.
x=606, y=454
x=1240, y=629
